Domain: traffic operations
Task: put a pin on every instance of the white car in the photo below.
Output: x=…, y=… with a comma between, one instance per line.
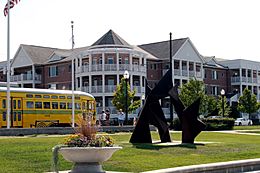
x=243, y=122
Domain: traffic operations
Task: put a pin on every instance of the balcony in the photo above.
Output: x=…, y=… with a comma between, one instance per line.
x=112, y=67
x=109, y=89
x=26, y=78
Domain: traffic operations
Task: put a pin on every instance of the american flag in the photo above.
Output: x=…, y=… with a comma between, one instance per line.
x=12, y=3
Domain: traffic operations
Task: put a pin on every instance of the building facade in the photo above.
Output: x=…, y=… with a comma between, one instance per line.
x=99, y=68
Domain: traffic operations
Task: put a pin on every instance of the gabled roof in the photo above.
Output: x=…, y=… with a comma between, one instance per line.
x=161, y=49
x=211, y=61
x=38, y=54
x=110, y=38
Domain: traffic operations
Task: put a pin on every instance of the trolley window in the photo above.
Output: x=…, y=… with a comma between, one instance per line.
x=14, y=104
x=54, y=97
x=29, y=95
x=62, y=97
x=46, y=105
x=38, y=105
x=69, y=105
x=14, y=116
x=38, y=96
x=29, y=105
x=46, y=96
x=69, y=97
x=4, y=116
x=4, y=103
x=62, y=105
x=77, y=97
x=19, y=104
x=77, y=105
x=54, y=105
x=19, y=116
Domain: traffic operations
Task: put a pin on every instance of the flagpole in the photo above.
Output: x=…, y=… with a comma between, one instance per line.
x=8, y=67
x=72, y=79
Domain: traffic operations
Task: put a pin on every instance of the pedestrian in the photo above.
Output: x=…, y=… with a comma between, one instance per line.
x=121, y=117
x=107, y=117
x=102, y=118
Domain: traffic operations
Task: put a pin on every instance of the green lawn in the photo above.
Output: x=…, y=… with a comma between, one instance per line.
x=33, y=154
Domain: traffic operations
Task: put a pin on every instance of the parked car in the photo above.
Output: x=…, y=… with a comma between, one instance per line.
x=243, y=122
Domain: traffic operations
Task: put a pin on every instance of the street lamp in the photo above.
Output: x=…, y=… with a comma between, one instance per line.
x=126, y=77
x=222, y=93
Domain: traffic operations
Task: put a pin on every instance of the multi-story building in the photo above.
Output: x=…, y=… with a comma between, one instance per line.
x=100, y=67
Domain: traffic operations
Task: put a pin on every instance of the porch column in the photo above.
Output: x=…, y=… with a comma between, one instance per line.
x=33, y=76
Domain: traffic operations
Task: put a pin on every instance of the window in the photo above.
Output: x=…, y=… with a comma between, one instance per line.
x=53, y=71
x=46, y=96
x=214, y=75
x=214, y=90
x=62, y=105
x=54, y=97
x=62, y=97
x=4, y=103
x=77, y=106
x=54, y=105
x=110, y=82
x=69, y=105
x=19, y=116
x=14, y=114
x=38, y=105
x=126, y=61
x=46, y=105
x=29, y=95
x=110, y=60
x=14, y=104
x=4, y=116
x=29, y=105
x=19, y=104
x=38, y=96
x=100, y=60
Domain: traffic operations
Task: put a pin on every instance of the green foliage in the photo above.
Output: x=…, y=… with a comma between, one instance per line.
x=222, y=101
x=119, y=97
x=194, y=89
x=248, y=102
x=219, y=123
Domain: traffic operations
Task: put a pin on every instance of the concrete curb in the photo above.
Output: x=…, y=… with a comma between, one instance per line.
x=219, y=167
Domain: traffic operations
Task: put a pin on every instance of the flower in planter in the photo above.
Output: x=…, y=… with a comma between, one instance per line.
x=85, y=136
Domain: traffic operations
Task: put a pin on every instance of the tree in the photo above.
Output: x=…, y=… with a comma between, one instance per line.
x=194, y=89
x=119, y=99
x=248, y=102
x=223, y=106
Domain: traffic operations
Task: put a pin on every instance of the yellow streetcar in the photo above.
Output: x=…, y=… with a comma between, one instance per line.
x=44, y=107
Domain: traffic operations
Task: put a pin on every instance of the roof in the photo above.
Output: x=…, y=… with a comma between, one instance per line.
x=210, y=61
x=161, y=49
x=110, y=38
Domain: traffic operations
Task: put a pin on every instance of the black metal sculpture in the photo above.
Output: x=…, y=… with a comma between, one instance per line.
x=152, y=113
x=191, y=125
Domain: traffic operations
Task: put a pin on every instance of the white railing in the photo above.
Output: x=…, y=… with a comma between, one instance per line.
x=97, y=67
x=198, y=74
x=184, y=73
x=177, y=72
x=191, y=73
x=96, y=89
x=110, y=67
x=123, y=67
x=25, y=77
x=110, y=88
x=235, y=79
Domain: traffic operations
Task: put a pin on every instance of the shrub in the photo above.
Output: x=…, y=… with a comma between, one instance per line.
x=219, y=123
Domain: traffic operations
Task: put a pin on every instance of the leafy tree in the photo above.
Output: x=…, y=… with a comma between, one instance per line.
x=248, y=102
x=222, y=104
x=194, y=89
x=119, y=99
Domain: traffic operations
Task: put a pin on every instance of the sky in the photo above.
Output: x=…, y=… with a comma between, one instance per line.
x=228, y=29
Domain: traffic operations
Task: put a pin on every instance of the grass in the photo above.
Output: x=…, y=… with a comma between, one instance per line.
x=255, y=127
x=33, y=154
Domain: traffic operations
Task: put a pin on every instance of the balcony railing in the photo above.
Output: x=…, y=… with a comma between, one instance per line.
x=96, y=89
x=113, y=67
x=25, y=78
x=110, y=67
x=110, y=88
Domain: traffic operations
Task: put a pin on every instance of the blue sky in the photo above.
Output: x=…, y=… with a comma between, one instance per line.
x=227, y=29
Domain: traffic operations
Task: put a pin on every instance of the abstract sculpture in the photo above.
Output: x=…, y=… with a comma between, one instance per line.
x=152, y=113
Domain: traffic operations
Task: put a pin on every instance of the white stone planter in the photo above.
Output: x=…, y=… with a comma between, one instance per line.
x=87, y=159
